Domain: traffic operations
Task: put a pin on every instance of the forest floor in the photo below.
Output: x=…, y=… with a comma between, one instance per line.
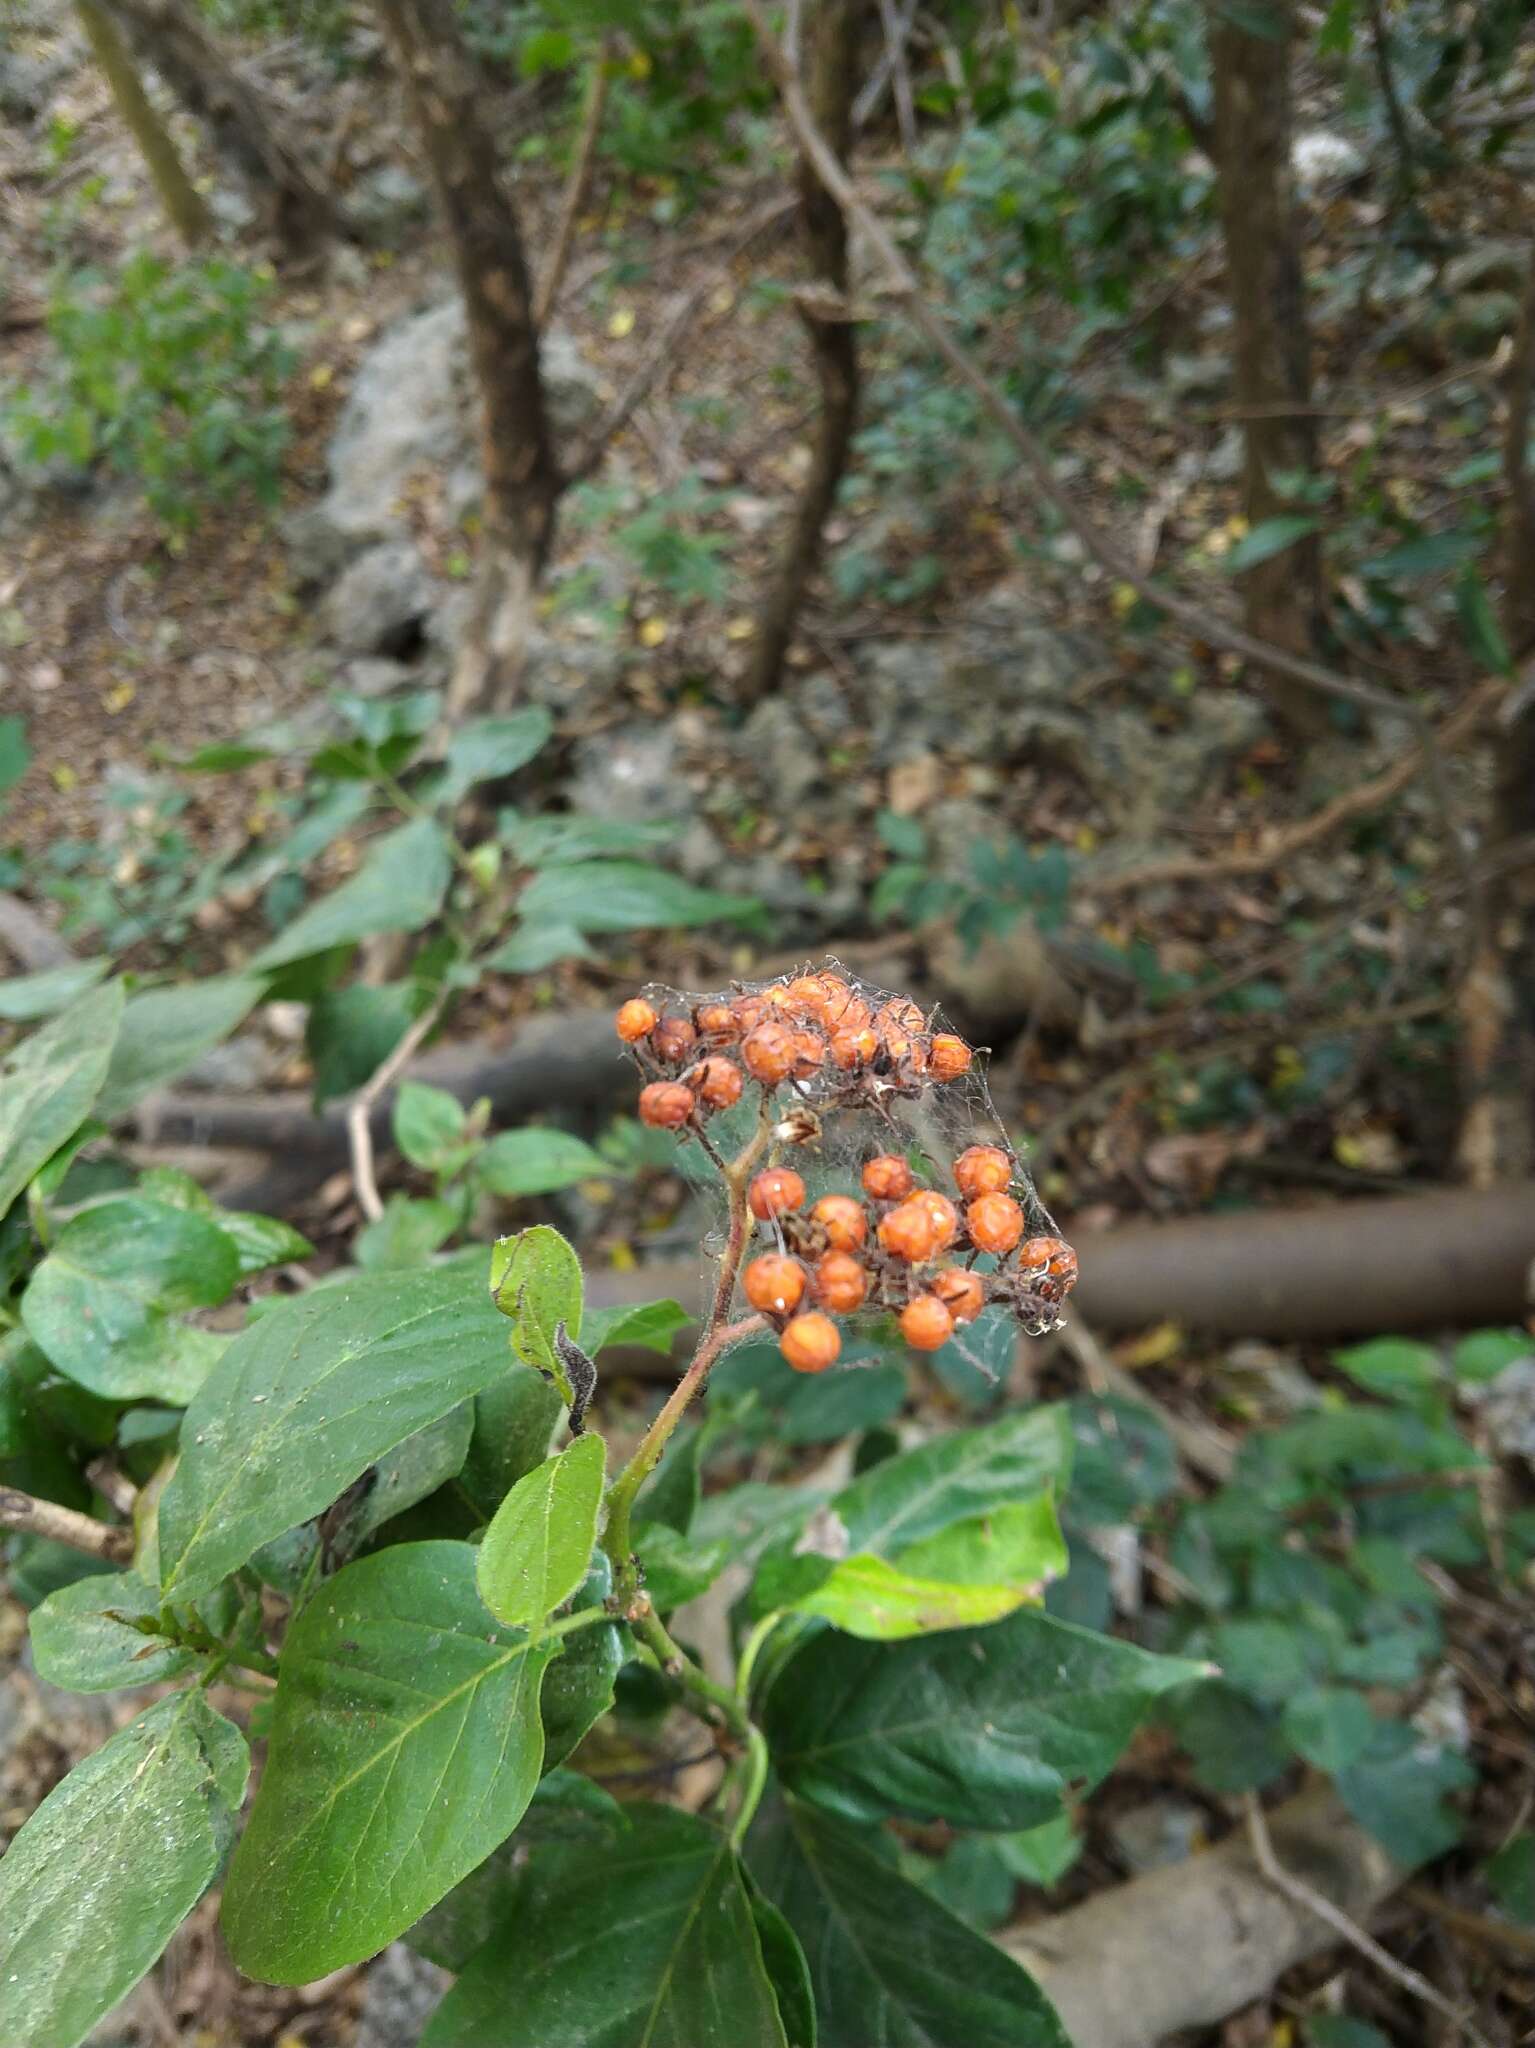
x=1277, y=985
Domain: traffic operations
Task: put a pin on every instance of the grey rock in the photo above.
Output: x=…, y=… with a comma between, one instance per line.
x=1507, y=1409
x=1161, y=1832
x=773, y=740
x=244, y=1063
x=382, y=601
x=28, y=78
x=629, y=773
x=566, y=674
x=1319, y=158
x=402, y=1991
x=374, y=676
x=386, y=199
x=413, y=410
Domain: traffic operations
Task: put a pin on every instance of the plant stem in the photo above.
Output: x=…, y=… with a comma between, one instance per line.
x=716, y=1706
x=35, y=1517
x=751, y=1650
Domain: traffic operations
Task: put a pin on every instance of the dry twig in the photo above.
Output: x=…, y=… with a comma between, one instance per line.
x=1302, y=1894
x=577, y=189
x=33, y=1517
x=359, y=1127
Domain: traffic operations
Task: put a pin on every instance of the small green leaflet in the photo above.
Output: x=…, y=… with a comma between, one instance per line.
x=538, y=1162
x=398, y=888
x=535, y=1281
x=165, y=1031
x=538, y=1547
x=1269, y=538
x=100, y=1633
x=625, y=895
x=29, y=996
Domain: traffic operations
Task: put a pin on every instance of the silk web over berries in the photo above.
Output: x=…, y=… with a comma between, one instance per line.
x=881, y=1188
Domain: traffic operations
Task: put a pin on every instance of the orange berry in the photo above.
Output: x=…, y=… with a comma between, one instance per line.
x=843, y=1220
x=774, y=1284
x=949, y=1057
x=717, y=1021
x=840, y=1283
x=748, y=1011
x=962, y=1294
x=775, y=1193
x=1054, y=1261
x=845, y=1011
x=926, y=1323
x=995, y=1223
x=910, y=1231
x=944, y=1214
x=717, y=1081
x=983, y=1170
x=811, y=1343
x=770, y=1053
x=635, y=1018
x=850, y=1049
x=888, y=1177
x=807, y=994
x=780, y=998
x=809, y=1053
x=665, y=1105
x=673, y=1040
x=899, y=1014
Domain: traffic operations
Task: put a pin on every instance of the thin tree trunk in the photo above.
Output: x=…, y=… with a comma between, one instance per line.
x=1272, y=346
x=830, y=79
x=246, y=129
x=1497, y=997
x=178, y=195
x=523, y=480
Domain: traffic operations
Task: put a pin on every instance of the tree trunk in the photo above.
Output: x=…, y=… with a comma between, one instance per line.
x=830, y=66
x=1497, y=998
x=246, y=130
x=1272, y=347
x=522, y=476
x=178, y=195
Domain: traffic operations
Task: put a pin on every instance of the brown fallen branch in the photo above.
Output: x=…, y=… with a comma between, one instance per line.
x=1450, y=735
x=1189, y=1945
x=31, y=1517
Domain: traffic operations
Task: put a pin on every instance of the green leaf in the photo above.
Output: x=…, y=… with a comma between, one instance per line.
x=537, y=1549
x=1123, y=1460
x=306, y=1399
x=485, y=748
x=674, y=1567
x=626, y=895
x=102, y=1633
x=1337, y=2030
x=533, y=947
x=109, y=1865
x=15, y=754
x=1337, y=32
x=100, y=1303
x=1018, y=1543
x=891, y=1968
x=649, y=1938
x=406, y=1234
x=649, y=1326
x=405, y=1746
x=1234, y=1745
x=261, y=1241
x=399, y=888
x=350, y=1032
x=30, y=996
x=514, y=1418
x=49, y=1082
x=222, y=757
x=579, y=1686
x=1479, y=624
x=874, y=1599
x=411, y=1472
x=1398, y=1788
x=1486, y=1353
x=985, y=1728
x=788, y=1972
x=818, y=1410
x=538, y=1161
x=954, y=1478
x=1511, y=1874
x=1043, y=1855
x=535, y=1280
x=429, y=1126
x=166, y=1031
x=1270, y=537
x=1330, y=1726
x=1393, y=1367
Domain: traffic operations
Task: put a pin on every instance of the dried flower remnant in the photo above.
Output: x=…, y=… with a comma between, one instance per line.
x=875, y=1219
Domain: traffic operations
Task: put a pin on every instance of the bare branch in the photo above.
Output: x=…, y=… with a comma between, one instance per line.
x=685, y=309
x=577, y=189
x=32, y=1517
x=896, y=32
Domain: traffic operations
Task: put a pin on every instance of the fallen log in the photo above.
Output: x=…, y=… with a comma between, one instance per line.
x=1188, y=1945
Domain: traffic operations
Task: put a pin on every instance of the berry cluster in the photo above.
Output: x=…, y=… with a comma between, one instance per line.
x=813, y=1044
